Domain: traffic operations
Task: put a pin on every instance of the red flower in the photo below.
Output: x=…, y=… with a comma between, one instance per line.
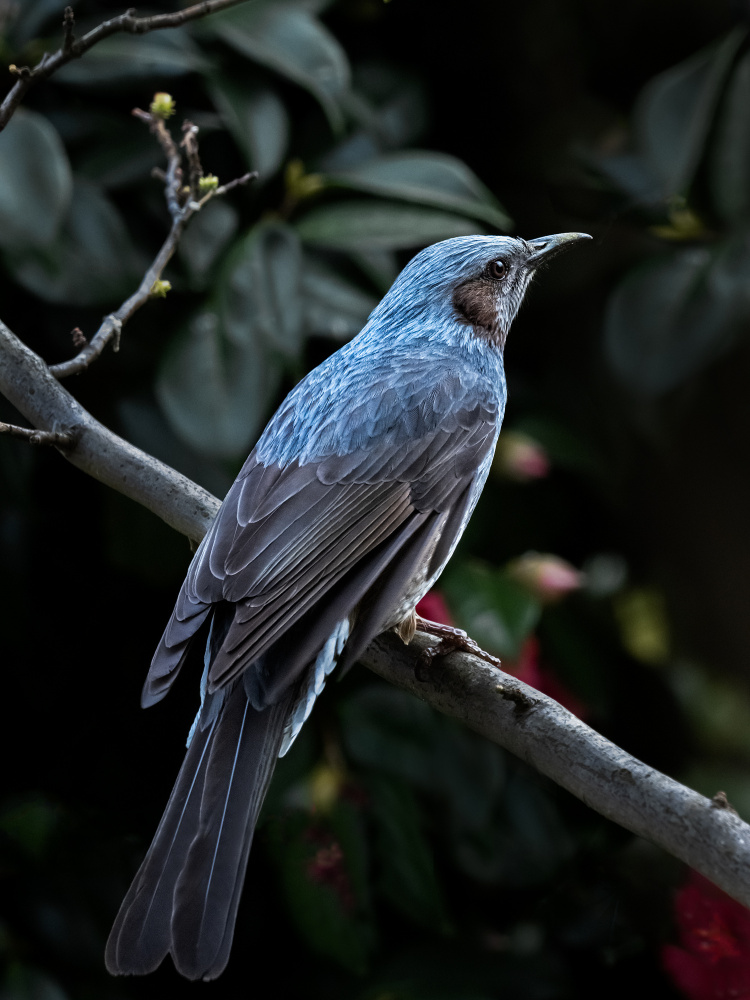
x=433, y=608
x=528, y=669
x=713, y=961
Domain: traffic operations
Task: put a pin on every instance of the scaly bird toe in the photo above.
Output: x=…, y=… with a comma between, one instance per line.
x=451, y=639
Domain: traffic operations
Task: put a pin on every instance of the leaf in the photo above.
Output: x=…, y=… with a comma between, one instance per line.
x=675, y=112
x=24, y=982
x=372, y=225
x=407, y=869
x=669, y=318
x=426, y=178
x=333, y=307
x=93, y=260
x=214, y=391
x=289, y=39
x=258, y=121
x=35, y=182
x=31, y=823
x=322, y=862
x=260, y=290
x=128, y=57
x=496, y=611
x=28, y=18
x=394, y=733
x=206, y=237
x=730, y=161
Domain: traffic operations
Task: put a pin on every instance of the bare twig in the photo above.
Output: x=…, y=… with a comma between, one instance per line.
x=74, y=48
x=181, y=212
x=69, y=23
x=195, y=169
x=58, y=439
x=703, y=833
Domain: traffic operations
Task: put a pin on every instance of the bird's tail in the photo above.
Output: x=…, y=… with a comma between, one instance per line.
x=183, y=901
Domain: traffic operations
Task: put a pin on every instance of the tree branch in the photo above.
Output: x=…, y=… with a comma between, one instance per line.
x=704, y=833
x=27, y=382
x=181, y=212
x=74, y=48
x=59, y=439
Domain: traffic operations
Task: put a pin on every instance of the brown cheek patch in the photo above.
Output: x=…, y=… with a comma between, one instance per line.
x=475, y=303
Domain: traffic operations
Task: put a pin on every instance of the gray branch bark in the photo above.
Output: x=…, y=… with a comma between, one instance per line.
x=704, y=833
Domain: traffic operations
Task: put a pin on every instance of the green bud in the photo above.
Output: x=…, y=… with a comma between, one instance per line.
x=208, y=183
x=160, y=288
x=162, y=106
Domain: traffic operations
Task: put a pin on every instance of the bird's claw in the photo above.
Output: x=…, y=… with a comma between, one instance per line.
x=451, y=640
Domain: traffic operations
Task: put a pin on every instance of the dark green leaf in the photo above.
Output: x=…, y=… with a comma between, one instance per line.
x=380, y=266
x=35, y=182
x=257, y=119
x=373, y=225
x=394, y=733
x=214, y=391
x=676, y=109
x=673, y=315
x=322, y=862
x=407, y=871
x=29, y=17
x=23, y=982
x=126, y=57
x=30, y=824
x=144, y=424
x=206, y=237
x=426, y=178
x=730, y=163
x=289, y=39
x=260, y=289
x=92, y=262
x=496, y=611
x=524, y=841
x=333, y=306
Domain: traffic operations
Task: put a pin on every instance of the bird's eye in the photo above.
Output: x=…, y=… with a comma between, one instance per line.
x=496, y=269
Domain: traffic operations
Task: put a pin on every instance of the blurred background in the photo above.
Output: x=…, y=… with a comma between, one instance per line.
x=399, y=856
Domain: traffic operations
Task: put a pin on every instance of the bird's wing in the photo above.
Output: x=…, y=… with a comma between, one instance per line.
x=295, y=547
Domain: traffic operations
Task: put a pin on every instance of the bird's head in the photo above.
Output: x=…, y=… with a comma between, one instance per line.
x=477, y=282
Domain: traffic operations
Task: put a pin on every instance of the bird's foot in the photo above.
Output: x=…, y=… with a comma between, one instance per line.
x=451, y=639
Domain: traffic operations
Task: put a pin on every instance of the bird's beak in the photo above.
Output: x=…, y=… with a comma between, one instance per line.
x=548, y=246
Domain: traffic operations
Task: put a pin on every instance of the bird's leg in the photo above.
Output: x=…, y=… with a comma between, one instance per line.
x=451, y=639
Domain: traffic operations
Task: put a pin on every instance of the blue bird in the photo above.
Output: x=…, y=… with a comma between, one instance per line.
x=341, y=519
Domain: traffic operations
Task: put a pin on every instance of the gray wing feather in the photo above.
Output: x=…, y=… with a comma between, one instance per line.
x=286, y=537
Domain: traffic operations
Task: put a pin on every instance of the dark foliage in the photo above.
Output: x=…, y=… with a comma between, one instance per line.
x=399, y=857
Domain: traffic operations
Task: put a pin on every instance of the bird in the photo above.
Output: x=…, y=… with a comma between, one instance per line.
x=342, y=517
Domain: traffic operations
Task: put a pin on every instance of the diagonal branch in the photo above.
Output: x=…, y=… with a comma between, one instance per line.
x=74, y=48
x=181, y=212
x=702, y=832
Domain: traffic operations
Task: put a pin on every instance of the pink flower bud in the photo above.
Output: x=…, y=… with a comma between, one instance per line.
x=548, y=577
x=520, y=457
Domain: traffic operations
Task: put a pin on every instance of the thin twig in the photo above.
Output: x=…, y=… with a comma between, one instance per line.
x=181, y=212
x=69, y=24
x=195, y=169
x=74, y=48
x=59, y=439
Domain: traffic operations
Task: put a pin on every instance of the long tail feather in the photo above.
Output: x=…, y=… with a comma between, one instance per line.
x=184, y=898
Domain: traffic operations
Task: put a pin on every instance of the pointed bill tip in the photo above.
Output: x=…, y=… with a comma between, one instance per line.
x=547, y=246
